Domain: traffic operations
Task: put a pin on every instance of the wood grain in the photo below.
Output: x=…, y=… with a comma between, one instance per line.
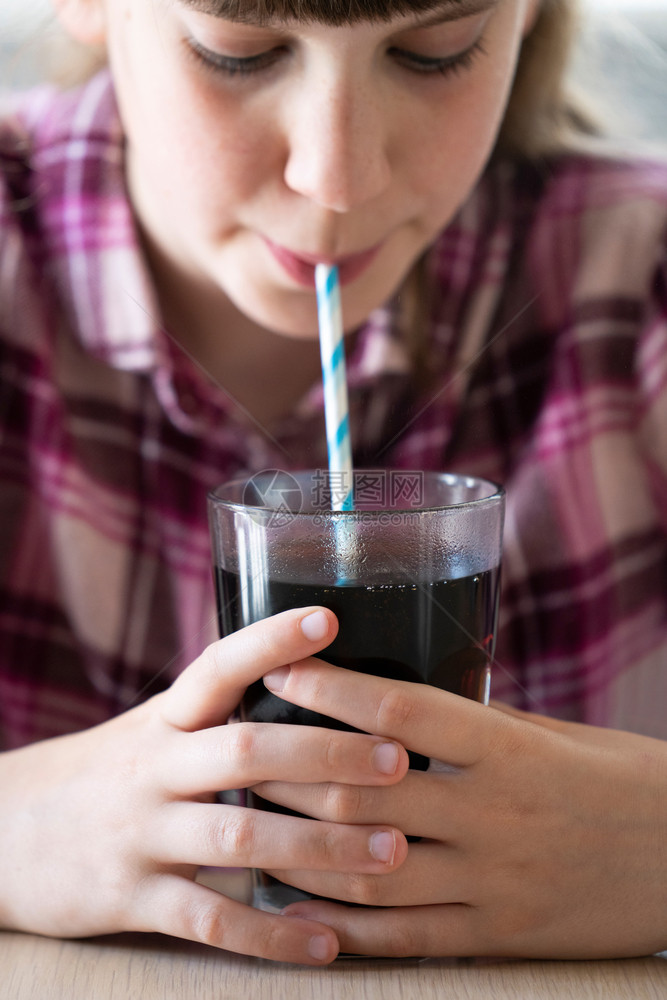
x=151, y=967
x=154, y=967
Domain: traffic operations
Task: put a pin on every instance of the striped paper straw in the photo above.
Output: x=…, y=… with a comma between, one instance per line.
x=336, y=409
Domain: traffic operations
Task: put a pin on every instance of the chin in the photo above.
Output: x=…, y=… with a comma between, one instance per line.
x=299, y=324
x=293, y=319
x=292, y=312
x=307, y=329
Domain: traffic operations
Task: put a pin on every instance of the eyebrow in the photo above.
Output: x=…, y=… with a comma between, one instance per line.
x=265, y=12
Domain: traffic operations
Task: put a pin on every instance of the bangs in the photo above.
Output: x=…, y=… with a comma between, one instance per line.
x=330, y=12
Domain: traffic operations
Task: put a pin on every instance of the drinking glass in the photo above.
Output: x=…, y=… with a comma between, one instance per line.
x=412, y=574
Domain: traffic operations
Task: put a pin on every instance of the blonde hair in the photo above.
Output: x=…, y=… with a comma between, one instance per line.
x=543, y=115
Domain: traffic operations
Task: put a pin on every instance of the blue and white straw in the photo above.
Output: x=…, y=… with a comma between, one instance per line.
x=336, y=408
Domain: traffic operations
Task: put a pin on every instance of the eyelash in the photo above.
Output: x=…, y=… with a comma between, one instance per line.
x=447, y=66
x=232, y=66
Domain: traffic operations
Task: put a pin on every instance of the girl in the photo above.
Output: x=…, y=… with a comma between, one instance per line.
x=505, y=297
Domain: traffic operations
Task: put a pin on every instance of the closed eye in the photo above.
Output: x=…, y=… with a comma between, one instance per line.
x=444, y=65
x=240, y=66
x=234, y=65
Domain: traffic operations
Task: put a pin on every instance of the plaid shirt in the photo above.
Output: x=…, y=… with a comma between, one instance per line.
x=547, y=372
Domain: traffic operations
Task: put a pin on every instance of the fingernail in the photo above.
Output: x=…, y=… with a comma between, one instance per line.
x=383, y=847
x=315, y=626
x=319, y=947
x=385, y=758
x=275, y=679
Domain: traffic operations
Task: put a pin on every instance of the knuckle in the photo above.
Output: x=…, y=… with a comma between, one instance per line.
x=242, y=744
x=274, y=941
x=506, y=743
x=332, y=750
x=328, y=843
x=236, y=835
x=364, y=889
x=395, y=711
x=205, y=923
x=506, y=935
x=343, y=803
x=513, y=739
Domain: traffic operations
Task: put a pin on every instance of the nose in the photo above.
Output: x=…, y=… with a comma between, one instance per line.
x=338, y=145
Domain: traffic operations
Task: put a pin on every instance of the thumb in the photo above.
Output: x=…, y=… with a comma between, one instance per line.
x=209, y=690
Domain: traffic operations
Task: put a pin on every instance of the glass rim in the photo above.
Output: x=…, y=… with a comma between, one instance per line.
x=496, y=493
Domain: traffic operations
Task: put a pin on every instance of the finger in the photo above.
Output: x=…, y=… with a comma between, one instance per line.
x=207, y=692
x=184, y=909
x=422, y=805
x=243, y=754
x=539, y=720
x=432, y=873
x=579, y=731
x=232, y=836
x=432, y=722
x=453, y=930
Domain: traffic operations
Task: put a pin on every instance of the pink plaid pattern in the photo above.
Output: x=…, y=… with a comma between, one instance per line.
x=548, y=372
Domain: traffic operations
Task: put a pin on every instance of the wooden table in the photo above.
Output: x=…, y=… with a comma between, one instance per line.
x=152, y=967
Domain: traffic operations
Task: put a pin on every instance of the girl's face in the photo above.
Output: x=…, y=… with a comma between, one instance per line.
x=255, y=150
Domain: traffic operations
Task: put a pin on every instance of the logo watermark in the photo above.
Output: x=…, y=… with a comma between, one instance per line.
x=277, y=491
x=373, y=489
x=385, y=495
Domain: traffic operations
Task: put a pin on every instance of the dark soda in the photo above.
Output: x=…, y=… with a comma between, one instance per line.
x=439, y=633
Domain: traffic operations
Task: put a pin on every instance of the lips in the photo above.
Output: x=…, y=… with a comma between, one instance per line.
x=301, y=267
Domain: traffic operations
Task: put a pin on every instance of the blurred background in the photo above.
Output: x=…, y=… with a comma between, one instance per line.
x=621, y=60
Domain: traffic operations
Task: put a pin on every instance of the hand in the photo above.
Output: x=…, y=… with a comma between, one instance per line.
x=104, y=830
x=540, y=839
